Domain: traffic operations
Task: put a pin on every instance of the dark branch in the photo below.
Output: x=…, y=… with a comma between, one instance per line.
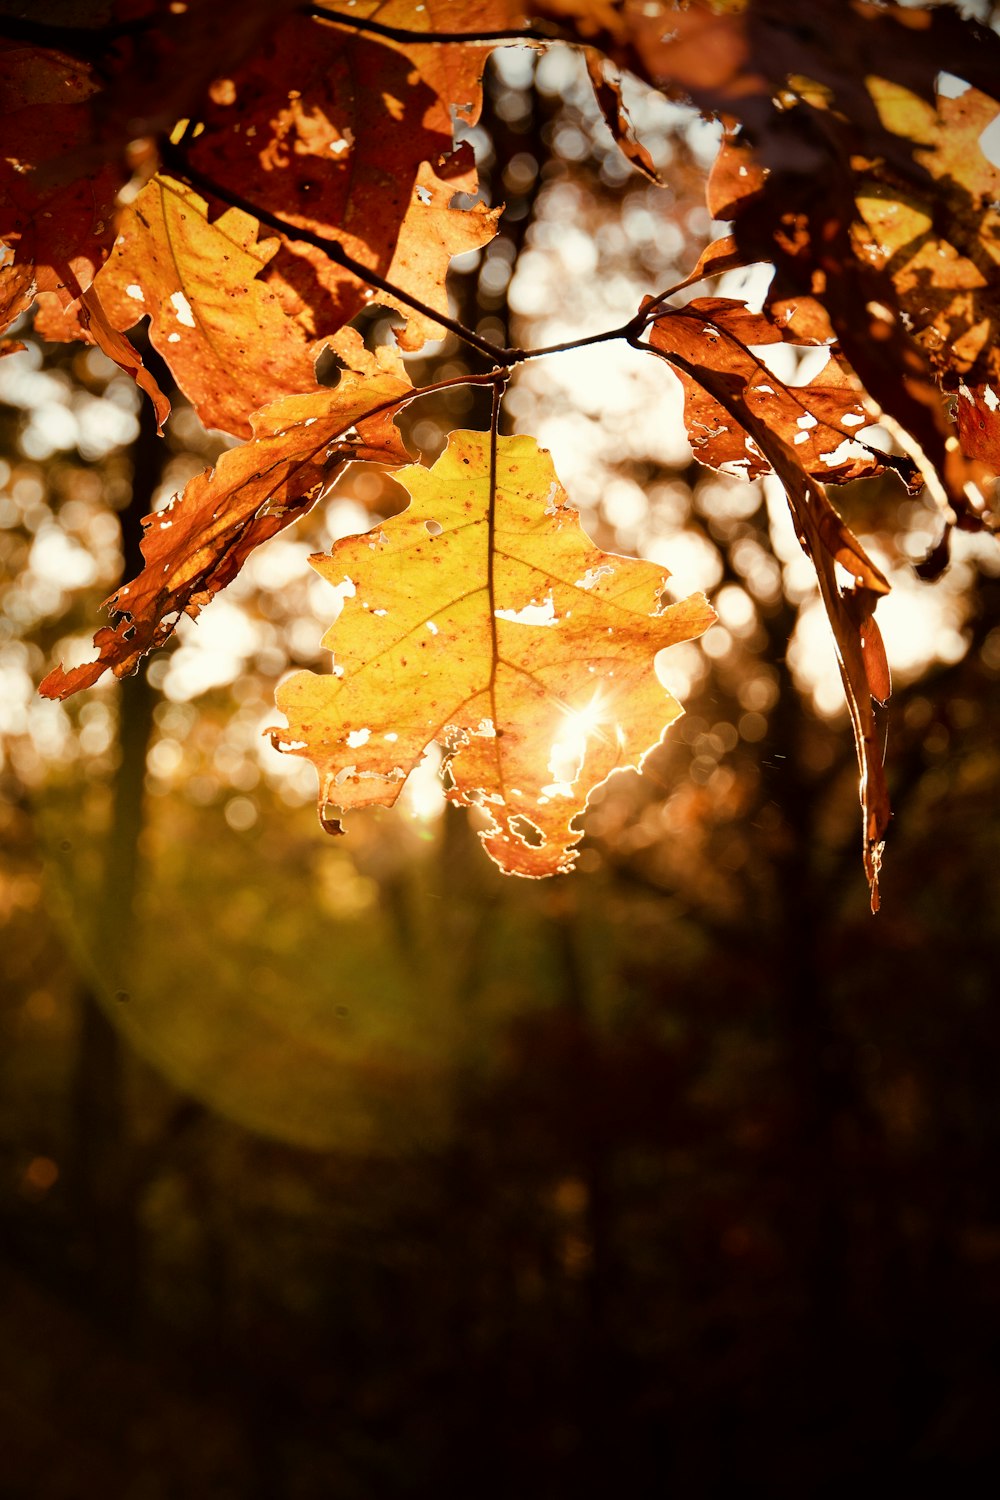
x=174, y=159
x=428, y=38
x=89, y=43
x=628, y=331
x=177, y=163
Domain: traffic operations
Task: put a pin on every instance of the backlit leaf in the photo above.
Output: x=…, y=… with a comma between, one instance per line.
x=820, y=420
x=197, y=545
x=483, y=618
x=829, y=543
x=225, y=331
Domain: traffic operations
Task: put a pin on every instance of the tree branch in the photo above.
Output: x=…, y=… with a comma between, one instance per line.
x=89, y=43
x=174, y=159
x=428, y=38
x=179, y=166
x=628, y=331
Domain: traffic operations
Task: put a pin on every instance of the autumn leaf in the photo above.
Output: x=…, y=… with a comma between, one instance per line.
x=301, y=131
x=453, y=73
x=820, y=420
x=221, y=326
x=484, y=618
x=57, y=188
x=198, y=544
x=829, y=543
x=430, y=236
x=606, y=83
x=117, y=347
x=806, y=94
x=940, y=241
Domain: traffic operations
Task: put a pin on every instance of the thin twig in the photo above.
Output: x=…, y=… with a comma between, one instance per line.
x=429, y=38
x=178, y=164
x=627, y=331
x=180, y=167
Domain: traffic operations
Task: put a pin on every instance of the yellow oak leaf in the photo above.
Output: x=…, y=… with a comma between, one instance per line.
x=484, y=618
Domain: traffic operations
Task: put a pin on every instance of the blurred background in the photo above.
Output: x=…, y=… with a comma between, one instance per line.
x=349, y=1167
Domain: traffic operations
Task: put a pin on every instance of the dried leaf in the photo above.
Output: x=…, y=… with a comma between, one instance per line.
x=820, y=420
x=57, y=189
x=117, y=347
x=198, y=544
x=214, y=316
x=826, y=539
x=453, y=73
x=978, y=414
x=940, y=243
x=300, y=130
x=606, y=83
x=483, y=618
x=430, y=236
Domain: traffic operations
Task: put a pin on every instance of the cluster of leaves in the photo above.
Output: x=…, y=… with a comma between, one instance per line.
x=252, y=212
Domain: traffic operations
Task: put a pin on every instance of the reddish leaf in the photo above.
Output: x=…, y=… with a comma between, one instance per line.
x=606, y=83
x=452, y=72
x=57, y=191
x=301, y=131
x=978, y=413
x=819, y=420
x=826, y=539
x=200, y=542
x=117, y=347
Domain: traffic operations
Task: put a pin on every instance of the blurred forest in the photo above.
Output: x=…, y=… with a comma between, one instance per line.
x=350, y=1167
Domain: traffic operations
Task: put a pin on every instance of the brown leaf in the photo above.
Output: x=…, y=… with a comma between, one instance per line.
x=736, y=177
x=57, y=190
x=483, y=618
x=826, y=539
x=300, y=130
x=117, y=347
x=720, y=256
x=200, y=542
x=978, y=413
x=810, y=88
x=818, y=420
x=606, y=83
x=453, y=73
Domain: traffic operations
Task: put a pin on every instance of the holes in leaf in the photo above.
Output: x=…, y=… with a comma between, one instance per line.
x=434, y=528
x=330, y=819
x=528, y=832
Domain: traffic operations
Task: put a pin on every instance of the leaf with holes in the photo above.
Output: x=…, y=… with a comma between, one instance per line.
x=728, y=384
x=230, y=337
x=485, y=619
x=199, y=543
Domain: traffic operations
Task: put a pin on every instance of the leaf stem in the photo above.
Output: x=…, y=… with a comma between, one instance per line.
x=499, y=382
x=626, y=331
